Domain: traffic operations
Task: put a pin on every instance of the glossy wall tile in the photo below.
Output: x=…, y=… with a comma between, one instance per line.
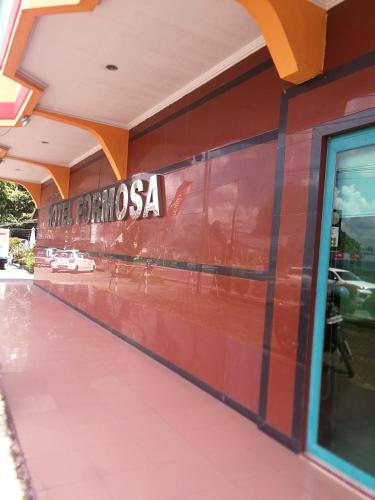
x=210, y=324
x=216, y=212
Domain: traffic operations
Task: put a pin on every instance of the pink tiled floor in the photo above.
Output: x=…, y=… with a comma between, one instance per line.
x=98, y=420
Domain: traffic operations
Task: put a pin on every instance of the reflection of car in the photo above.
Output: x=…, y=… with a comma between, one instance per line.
x=346, y=278
x=43, y=256
x=72, y=260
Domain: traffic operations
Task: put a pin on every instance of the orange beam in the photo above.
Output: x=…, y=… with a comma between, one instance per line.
x=295, y=33
x=3, y=152
x=23, y=28
x=34, y=189
x=61, y=6
x=25, y=23
x=114, y=140
x=60, y=174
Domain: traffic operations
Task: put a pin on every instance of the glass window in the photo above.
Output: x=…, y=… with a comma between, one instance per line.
x=347, y=396
x=63, y=255
x=348, y=276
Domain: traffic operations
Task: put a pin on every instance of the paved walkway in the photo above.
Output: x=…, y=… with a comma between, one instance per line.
x=12, y=272
x=98, y=420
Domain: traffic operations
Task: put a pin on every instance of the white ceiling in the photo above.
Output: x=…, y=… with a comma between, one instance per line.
x=10, y=169
x=65, y=143
x=159, y=46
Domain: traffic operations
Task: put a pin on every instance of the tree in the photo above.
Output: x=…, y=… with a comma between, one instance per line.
x=16, y=205
x=348, y=244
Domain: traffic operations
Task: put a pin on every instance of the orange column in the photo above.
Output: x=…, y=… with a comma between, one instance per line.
x=295, y=32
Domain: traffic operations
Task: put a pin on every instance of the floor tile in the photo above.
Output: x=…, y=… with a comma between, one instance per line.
x=99, y=420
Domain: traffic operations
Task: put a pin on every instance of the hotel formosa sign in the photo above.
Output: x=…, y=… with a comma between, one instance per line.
x=130, y=199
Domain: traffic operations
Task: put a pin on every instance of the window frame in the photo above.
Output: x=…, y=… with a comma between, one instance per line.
x=338, y=144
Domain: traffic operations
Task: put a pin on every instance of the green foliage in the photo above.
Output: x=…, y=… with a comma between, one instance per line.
x=16, y=204
x=13, y=243
x=17, y=249
x=22, y=254
x=28, y=261
x=348, y=244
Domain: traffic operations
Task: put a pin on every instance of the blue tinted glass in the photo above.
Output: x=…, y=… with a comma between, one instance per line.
x=347, y=404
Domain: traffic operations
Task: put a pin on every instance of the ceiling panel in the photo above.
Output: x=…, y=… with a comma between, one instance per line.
x=65, y=143
x=159, y=47
x=11, y=169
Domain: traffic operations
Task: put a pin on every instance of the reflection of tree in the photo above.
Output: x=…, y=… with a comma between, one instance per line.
x=264, y=214
x=217, y=243
x=348, y=244
x=361, y=229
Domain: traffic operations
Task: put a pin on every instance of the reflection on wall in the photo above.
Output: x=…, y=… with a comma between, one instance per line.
x=189, y=286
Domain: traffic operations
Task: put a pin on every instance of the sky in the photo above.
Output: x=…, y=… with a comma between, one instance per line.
x=355, y=193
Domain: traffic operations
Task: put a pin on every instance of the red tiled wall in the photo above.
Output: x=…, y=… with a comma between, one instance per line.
x=209, y=325
x=225, y=218
x=241, y=112
x=350, y=32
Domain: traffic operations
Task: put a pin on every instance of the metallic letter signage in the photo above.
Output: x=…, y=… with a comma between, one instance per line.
x=136, y=199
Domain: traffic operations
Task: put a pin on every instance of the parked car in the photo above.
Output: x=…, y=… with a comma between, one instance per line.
x=354, y=283
x=72, y=260
x=44, y=256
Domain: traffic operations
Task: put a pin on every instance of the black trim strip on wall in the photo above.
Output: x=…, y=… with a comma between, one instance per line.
x=291, y=443
x=171, y=366
x=276, y=210
x=312, y=239
x=237, y=272
x=264, y=66
x=256, y=140
x=306, y=285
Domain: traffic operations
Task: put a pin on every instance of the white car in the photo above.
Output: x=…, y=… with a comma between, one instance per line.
x=347, y=278
x=44, y=256
x=71, y=260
